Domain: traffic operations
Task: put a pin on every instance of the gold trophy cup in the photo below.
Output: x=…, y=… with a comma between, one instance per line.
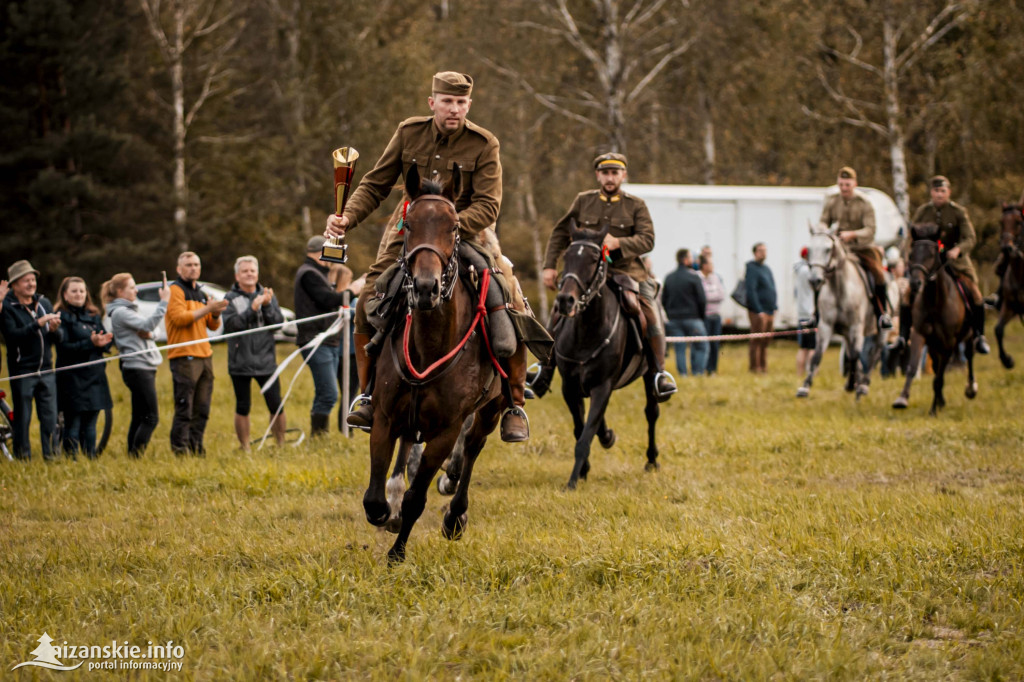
x=335, y=249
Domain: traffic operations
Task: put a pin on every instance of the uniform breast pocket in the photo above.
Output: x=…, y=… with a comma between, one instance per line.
x=465, y=165
x=622, y=228
x=412, y=158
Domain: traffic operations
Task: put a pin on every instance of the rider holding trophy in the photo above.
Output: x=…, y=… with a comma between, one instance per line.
x=436, y=144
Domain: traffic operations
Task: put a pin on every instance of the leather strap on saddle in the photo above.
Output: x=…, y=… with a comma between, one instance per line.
x=628, y=293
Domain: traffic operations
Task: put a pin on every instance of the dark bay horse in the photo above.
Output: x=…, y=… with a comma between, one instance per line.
x=1011, y=284
x=940, y=318
x=434, y=372
x=597, y=350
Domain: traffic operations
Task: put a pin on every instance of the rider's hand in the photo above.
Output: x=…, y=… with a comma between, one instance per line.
x=611, y=242
x=549, y=276
x=953, y=253
x=336, y=226
x=847, y=236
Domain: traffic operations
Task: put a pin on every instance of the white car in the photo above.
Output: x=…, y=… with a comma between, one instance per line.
x=149, y=297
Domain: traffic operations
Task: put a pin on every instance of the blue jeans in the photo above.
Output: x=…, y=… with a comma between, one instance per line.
x=698, y=350
x=80, y=432
x=713, y=323
x=42, y=389
x=323, y=365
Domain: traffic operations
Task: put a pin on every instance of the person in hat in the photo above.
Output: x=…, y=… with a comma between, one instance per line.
x=435, y=144
x=957, y=236
x=630, y=236
x=314, y=295
x=854, y=215
x=190, y=313
x=30, y=329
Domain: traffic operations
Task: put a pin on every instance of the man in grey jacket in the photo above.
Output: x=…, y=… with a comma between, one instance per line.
x=252, y=356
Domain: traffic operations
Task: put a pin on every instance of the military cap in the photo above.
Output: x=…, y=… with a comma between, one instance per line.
x=610, y=160
x=939, y=181
x=315, y=243
x=452, y=83
x=847, y=173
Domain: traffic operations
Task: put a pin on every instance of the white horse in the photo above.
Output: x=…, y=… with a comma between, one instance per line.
x=843, y=307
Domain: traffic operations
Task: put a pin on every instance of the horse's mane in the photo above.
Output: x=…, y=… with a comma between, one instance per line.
x=582, y=233
x=929, y=231
x=430, y=187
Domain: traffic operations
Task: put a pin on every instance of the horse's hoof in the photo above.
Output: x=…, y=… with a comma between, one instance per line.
x=1007, y=361
x=453, y=528
x=862, y=390
x=607, y=439
x=396, y=555
x=570, y=486
x=849, y=388
x=803, y=392
x=393, y=525
x=377, y=513
x=971, y=391
x=652, y=466
x=445, y=485
x=900, y=403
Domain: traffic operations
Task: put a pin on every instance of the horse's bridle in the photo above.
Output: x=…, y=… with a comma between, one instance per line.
x=592, y=289
x=829, y=268
x=451, y=261
x=932, y=273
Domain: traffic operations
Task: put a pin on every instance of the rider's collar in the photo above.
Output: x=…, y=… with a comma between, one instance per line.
x=614, y=198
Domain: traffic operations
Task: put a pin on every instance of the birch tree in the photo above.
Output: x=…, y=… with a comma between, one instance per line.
x=195, y=39
x=904, y=41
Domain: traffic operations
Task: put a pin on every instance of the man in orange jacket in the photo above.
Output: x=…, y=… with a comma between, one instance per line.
x=190, y=312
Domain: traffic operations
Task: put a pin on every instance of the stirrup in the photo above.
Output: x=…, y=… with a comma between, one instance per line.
x=665, y=394
x=357, y=420
x=532, y=372
x=884, y=322
x=515, y=411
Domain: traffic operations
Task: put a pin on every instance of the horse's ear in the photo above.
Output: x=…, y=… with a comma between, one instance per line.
x=453, y=188
x=573, y=228
x=412, y=182
x=810, y=226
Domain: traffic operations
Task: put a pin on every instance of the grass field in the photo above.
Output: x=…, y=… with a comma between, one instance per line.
x=781, y=539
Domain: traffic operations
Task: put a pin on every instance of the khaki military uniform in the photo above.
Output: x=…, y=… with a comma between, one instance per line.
x=418, y=141
x=955, y=229
x=856, y=215
x=630, y=221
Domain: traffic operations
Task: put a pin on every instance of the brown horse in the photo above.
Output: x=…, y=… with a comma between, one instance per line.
x=939, y=317
x=435, y=369
x=1011, y=285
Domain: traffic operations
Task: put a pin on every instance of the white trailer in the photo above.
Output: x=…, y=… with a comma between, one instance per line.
x=731, y=219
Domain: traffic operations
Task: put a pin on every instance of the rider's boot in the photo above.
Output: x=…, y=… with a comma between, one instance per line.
x=881, y=307
x=360, y=413
x=539, y=379
x=515, y=425
x=664, y=383
x=980, y=344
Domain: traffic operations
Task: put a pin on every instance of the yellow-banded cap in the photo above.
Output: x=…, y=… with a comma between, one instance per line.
x=847, y=173
x=610, y=160
x=939, y=181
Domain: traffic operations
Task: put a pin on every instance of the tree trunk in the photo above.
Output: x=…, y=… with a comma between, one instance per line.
x=297, y=102
x=896, y=136
x=178, y=103
x=708, y=125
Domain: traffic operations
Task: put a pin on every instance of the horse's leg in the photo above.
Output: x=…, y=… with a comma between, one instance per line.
x=395, y=487
x=605, y=436
x=598, y=404
x=857, y=375
x=453, y=524
x=823, y=339
x=382, y=447
x=415, y=498
x=574, y=401
x=651, y=411
x=913, y=367
x=452, y=466
x=1005, y=315
x=940, y=360
x=972, y=386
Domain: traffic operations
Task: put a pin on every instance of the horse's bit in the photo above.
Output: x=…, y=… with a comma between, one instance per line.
x=451, y=268
x=593, y=288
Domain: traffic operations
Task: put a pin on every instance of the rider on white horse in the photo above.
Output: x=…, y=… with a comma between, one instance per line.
x=855, y=216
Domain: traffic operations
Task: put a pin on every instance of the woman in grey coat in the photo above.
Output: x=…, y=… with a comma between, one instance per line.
x=134, y=332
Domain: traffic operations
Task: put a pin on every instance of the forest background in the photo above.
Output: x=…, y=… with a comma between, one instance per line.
x=133, y=129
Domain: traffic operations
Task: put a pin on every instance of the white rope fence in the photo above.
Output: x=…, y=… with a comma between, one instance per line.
x=739, y=337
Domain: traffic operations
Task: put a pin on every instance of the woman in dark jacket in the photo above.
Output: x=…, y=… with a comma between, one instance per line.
x=252, y=356
x=82, y=392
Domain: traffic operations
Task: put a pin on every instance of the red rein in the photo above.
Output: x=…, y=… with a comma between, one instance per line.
x=481, y=311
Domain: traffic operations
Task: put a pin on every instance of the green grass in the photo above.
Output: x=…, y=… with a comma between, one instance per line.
x=781, y=539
